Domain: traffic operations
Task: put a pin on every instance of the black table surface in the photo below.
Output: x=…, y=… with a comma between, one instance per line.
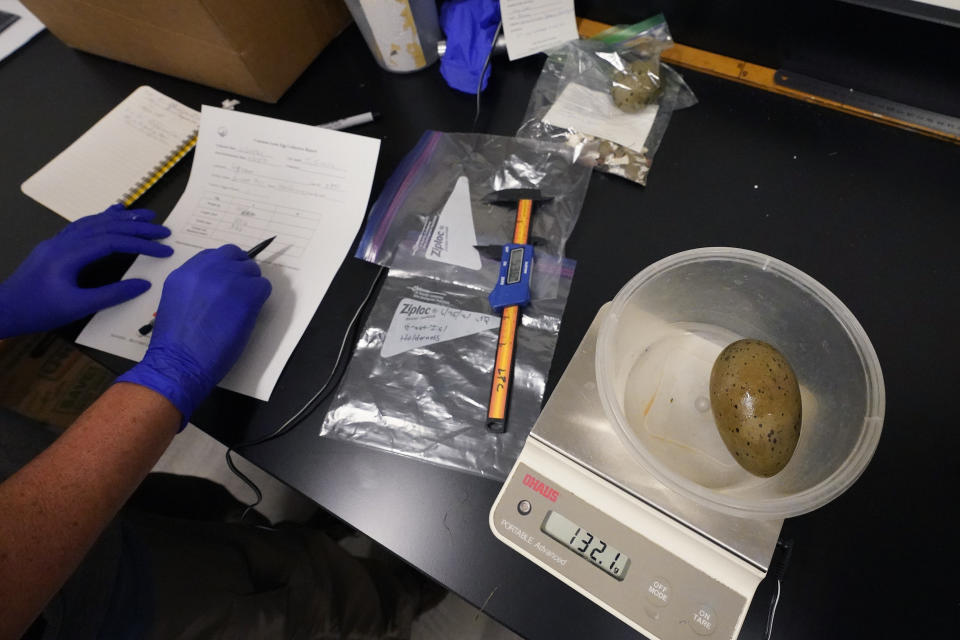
x=868, y=210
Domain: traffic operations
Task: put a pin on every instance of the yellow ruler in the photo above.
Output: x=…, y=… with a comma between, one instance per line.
x=774, y=81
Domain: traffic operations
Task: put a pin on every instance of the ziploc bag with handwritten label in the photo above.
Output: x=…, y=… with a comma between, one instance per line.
x=419, y=380
x=609, y=98
x=435, y=197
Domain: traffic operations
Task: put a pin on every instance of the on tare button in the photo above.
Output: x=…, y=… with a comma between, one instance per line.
x=658, y=592
x=704, y=620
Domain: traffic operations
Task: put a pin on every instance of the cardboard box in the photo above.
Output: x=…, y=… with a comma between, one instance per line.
x=255, y=48
x=46, y=378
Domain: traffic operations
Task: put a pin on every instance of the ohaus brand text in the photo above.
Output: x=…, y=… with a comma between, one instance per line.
x=545, y=490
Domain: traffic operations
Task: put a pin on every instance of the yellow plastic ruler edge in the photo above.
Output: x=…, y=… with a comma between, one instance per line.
x=760, y=77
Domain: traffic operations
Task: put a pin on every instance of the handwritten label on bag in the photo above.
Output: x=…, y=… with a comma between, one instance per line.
x=418, y=324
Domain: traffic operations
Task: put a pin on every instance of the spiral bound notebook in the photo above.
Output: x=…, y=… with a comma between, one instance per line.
x=118, y=158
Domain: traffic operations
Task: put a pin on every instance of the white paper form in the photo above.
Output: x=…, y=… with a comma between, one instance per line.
x=532, y=26
x=253, y=178
x=593, y=113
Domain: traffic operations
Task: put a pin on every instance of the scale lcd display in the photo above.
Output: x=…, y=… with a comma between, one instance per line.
x=611, y=560
x=516, y=263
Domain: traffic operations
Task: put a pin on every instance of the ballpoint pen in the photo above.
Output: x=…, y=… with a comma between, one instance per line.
x=252, y=253
x=260, y=246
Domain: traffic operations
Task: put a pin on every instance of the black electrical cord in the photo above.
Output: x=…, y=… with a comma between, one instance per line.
x=778, y=567
x=339, y=367
x=486, y=64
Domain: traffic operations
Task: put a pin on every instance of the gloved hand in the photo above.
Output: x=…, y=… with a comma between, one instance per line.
x=470, y=26
x=43, y=293
x=207, y=310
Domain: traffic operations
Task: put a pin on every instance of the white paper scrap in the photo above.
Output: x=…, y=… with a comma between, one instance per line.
x=593, y=113
x=418, y=324
x=532, y=26
x=252, y=178
x=21, y=31
x=454, y=237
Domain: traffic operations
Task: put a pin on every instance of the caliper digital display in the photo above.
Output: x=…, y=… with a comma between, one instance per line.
x=515, y=267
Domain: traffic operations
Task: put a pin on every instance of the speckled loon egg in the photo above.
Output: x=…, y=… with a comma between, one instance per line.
x=755, y=400
x=636, y=86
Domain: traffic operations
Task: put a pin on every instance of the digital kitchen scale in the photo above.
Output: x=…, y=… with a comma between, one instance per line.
x=625, y=490
x=578, y=504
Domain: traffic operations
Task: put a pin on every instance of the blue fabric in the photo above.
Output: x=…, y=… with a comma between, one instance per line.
x=469, y=26
x=206, y=314
x=43, y=293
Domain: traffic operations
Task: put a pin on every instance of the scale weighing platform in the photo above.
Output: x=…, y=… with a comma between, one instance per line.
x=578, y=504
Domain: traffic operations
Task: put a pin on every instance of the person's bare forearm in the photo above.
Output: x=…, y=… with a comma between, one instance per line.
x=53, y=510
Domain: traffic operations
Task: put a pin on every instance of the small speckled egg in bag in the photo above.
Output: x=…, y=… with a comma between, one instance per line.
x=637, y=86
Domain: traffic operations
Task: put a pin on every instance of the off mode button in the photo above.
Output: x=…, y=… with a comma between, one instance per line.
x=704, y=620
x=658, y=592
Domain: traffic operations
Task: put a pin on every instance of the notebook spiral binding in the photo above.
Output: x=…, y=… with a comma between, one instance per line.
x=158, y=171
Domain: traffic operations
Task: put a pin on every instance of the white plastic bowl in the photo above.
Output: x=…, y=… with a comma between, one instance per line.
x=749, y=294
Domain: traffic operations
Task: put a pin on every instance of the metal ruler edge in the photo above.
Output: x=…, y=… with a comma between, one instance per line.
x=824, y=94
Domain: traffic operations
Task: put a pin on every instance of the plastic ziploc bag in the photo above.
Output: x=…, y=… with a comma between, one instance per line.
x=419, y=379
x=609, y=98
x=436, y=196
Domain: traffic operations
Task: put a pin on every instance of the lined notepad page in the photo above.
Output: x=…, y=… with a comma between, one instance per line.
x=122, y=151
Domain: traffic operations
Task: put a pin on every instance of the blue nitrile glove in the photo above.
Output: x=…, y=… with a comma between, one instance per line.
x=43, y=293
x=469, y=26
x=207, y=310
